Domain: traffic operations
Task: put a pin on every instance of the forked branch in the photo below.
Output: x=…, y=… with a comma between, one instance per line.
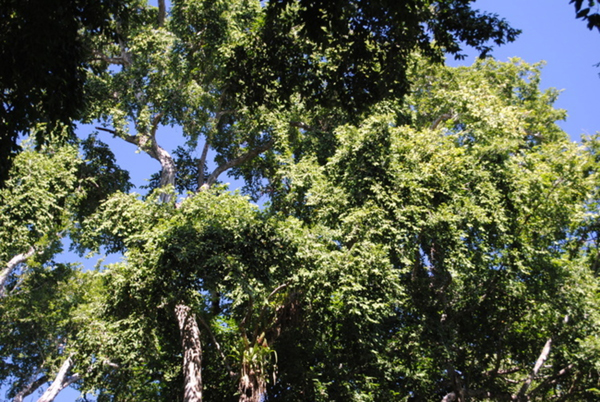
x=237, y=161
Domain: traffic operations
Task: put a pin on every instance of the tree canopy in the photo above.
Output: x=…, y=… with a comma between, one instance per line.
x=429, y=233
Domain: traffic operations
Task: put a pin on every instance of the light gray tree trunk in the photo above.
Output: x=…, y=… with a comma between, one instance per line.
x=192, y=353
x=251, y=387
x=60, y=382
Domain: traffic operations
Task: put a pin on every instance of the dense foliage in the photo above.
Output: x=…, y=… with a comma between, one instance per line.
x=44, y=48
x=425, y=232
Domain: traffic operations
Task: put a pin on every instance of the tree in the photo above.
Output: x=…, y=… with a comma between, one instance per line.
x=432, y=244
x=47, y=192
x=190, y=76
x=350, y=54
x=476, y=202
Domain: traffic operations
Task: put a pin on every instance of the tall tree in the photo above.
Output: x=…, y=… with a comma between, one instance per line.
x=432, y=244
x=47, y=193
x=477, y=204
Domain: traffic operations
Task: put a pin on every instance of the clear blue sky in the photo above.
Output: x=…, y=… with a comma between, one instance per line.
x=550, y=33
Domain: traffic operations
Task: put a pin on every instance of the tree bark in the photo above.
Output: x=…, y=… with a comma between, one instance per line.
x=162, y=13
x=251, y=386
x=60, y=382
x=192, y=353
x=12, y=264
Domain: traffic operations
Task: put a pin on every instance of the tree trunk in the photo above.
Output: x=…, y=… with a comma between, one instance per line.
x=192, y=353
x=60, y=382
x=251, y=387
x=538, y=364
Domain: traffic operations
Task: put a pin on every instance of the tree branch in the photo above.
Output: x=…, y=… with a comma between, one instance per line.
x=237, y=161
x=12, y=264
x=147, y=143
x=538, y=364
x=162, y=13
x=132, y=139
x=119, y=60
x=439, y=120
x=60, y=382
x=551, y=380
x=218, y=346
x=31, y=387
x=202, y=163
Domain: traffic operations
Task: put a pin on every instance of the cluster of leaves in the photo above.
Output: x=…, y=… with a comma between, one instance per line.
x=477, y=203
x=352, y=54
x=48, y=191
x=587, y=14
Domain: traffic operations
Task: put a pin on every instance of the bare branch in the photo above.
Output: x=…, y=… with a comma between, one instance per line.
x=439, y=120
x=132, y=139
x=277, y=289
x=110, y=364
x=237, y=161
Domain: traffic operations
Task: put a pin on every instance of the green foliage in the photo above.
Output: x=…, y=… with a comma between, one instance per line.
x=215, y=252
x=476, y=202
x=47, y=192
x=37, y=323
x=416, y=245
x=38, y=200
x=352, y=54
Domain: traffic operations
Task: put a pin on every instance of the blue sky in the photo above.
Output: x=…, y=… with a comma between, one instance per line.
x=550, y=33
